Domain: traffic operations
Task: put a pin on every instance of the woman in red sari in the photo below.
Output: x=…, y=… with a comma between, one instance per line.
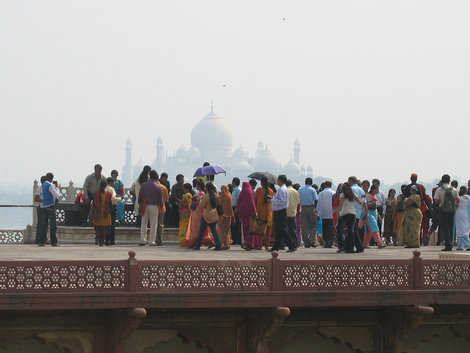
x=246, y=208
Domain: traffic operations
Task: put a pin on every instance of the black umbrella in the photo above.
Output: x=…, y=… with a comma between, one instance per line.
x=272, y=179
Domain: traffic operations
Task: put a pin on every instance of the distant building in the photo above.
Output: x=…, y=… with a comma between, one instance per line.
x=211, y=141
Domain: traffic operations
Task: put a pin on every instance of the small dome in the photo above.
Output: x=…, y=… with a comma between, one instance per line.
x=159, y=141
x=291, y=167
x=194, y=152
x=129, y=142
x=296, y=143
x=240, y=153
x=267, y=161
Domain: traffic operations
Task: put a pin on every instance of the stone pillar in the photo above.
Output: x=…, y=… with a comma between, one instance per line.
x=120, y=324
x=390, y=336
x=35, y=214
x=261, y=325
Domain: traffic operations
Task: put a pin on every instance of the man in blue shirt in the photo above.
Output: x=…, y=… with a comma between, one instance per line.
x=357, y=241
x=50, y=193
x=308, y=202
x=236, y=225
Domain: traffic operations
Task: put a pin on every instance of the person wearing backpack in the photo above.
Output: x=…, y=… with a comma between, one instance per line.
x=447, y=197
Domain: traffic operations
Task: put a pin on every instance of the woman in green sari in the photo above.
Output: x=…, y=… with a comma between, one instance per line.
x=412, y=217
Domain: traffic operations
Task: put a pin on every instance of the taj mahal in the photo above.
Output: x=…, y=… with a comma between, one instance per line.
x=211, y=141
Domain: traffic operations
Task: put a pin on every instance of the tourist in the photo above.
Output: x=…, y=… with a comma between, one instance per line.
x=119, y=189
x=90, y=186
x=370, y=219
x=279, y=204
x=161, y=213
x=101, y=212
x=298, y=217
x=209, y=217
x=447, y=198
x=390, y=206
x=50, y=193
x=253, y=183
x=365, y=185
x=164, y=181
x=357, y=241
x=195, y=220
x=412, y=217
x=111, y=232
x=347, y=218
x=462, y=220
x=176, y=195
x=426, y=204
x=246, y=208
x=195, y=189
x=264, y=210
x=225, y=220
x=294, y=201
x=325, y=209
x=380, y=196
x=37, y=205
x=150, y=199
x=135, y=190
x=185, y=212
x=236, y=226
x=308, y=202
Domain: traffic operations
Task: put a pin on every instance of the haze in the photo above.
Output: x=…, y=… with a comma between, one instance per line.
x=370, y=88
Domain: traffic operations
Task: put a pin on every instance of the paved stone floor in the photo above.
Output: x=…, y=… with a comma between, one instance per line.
x=172, y=251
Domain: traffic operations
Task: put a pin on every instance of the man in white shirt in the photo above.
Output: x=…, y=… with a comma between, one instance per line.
x=325, y=208
x=279, y=204
x=380, y=196
x=37, y=204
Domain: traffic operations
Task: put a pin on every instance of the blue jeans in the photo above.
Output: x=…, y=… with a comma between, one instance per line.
x=48, y=218
x=213, y=227
x=463, y=241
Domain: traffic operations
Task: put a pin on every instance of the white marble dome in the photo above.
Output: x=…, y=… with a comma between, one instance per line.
x=213, y=138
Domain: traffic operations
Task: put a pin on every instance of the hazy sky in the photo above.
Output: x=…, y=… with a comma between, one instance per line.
x=371, y=88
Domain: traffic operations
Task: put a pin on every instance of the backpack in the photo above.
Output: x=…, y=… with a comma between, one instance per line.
x=448, y=204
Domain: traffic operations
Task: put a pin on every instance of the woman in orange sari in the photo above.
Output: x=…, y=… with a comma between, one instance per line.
x=225, y=220
x=263, y=207
x=101, y=212
x=195, y=221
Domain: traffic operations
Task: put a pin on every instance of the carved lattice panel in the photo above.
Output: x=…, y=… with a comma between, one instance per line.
x=129, y=217
x=445, y=275
x=350, y=275
x=11, y=236
x=127, y=197
x=62, y=193
x=200, y=277
x=32, y=278
x=60, y=216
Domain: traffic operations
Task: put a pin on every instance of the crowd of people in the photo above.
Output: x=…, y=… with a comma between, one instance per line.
x=286, y=216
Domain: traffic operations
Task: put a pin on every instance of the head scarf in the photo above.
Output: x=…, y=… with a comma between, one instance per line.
x=226, y=200
x=246, y=203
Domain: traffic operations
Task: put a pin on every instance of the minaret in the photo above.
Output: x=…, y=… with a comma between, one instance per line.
x=297, y=151
x=160, y=154
x=260, y=148
x=127, y=168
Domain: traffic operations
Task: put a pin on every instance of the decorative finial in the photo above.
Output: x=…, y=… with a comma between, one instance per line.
x=212, y=106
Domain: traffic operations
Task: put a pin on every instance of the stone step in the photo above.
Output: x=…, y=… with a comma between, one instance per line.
x=131, y=235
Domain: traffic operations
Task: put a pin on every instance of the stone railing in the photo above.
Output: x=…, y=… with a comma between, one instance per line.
x=270, y=275
x=67, y=197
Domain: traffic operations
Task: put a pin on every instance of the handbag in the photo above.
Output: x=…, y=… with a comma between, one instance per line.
x=220, y=209
x=257, y=226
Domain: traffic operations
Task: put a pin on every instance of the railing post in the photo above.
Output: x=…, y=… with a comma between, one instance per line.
x=70, y=197
x=35, y=214
x=417, y=270
x=276, y=272
x=134, y=275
